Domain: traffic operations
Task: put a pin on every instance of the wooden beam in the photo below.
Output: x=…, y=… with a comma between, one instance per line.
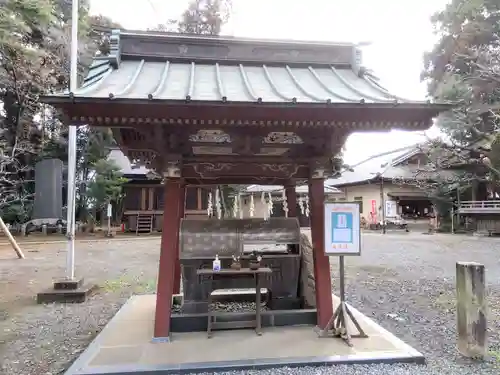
x=245, y=159
x=206, y=171
x=151, y=195
x=117, y=135
x=171, y=144
x=322, y=271
x=291, y=199
x=144, y=212
x=356, y=116
x=143, y=198
x=158, y=140
x=168, y=256
x=249, y=180
x=159, y=137
x=149, y=185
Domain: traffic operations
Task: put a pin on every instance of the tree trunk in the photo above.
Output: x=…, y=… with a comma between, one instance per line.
x=119, y=211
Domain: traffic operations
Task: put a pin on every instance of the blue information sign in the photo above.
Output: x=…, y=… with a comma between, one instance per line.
x=342, y=229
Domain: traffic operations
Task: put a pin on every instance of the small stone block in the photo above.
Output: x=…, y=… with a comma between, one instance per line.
x=68, y=284
x=66, y=295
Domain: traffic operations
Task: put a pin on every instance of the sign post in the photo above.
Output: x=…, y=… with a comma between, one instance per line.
x=374, y=212
x=342, y=238
x=391, y=209
x=109, y=214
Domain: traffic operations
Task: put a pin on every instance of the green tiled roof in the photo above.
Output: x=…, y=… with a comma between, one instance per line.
x=128, y=74
x=240, y=83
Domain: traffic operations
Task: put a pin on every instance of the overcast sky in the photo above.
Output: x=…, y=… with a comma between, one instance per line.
x=399, y=32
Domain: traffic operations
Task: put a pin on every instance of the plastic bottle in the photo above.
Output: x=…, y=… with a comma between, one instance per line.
x=216, y=264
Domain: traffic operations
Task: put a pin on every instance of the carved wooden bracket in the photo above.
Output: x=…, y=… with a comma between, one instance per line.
x=172, y=168
x=319, y=169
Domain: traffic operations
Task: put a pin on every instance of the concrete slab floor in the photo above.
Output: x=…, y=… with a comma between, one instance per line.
x=125, y=347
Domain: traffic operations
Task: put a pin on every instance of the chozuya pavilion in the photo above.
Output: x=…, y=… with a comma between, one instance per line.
x=222, y=110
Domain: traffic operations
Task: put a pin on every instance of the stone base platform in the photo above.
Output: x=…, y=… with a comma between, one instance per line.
x=125, y=347
x=64, y=291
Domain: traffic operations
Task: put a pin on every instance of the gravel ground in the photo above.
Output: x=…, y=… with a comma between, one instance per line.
x=45, y=339
x=404, y=281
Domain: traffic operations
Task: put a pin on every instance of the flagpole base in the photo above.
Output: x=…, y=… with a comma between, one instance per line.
x=67, y=291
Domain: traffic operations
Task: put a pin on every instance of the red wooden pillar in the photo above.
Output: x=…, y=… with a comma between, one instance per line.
x=291, y=199
x=182, y=204
x=322, y=275
x=168, y=257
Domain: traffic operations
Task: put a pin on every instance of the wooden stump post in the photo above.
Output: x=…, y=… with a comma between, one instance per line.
x=11, y=239
x=471, y=310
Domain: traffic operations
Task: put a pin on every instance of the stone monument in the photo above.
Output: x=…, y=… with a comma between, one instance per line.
x=48, y=189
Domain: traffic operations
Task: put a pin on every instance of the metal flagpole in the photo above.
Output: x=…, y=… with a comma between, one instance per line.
x=73, y=84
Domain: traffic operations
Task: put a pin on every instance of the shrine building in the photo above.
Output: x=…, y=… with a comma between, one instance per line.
x=205, y=111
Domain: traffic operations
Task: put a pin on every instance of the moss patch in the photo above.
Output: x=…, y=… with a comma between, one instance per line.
x=136, y=285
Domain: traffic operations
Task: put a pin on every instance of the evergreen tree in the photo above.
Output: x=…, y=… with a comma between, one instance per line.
x=106, y=186
x=464, y=67
x=35, y=60
x=202, y=17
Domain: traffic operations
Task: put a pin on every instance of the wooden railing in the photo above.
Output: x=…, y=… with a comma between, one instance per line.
x=479, y=206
